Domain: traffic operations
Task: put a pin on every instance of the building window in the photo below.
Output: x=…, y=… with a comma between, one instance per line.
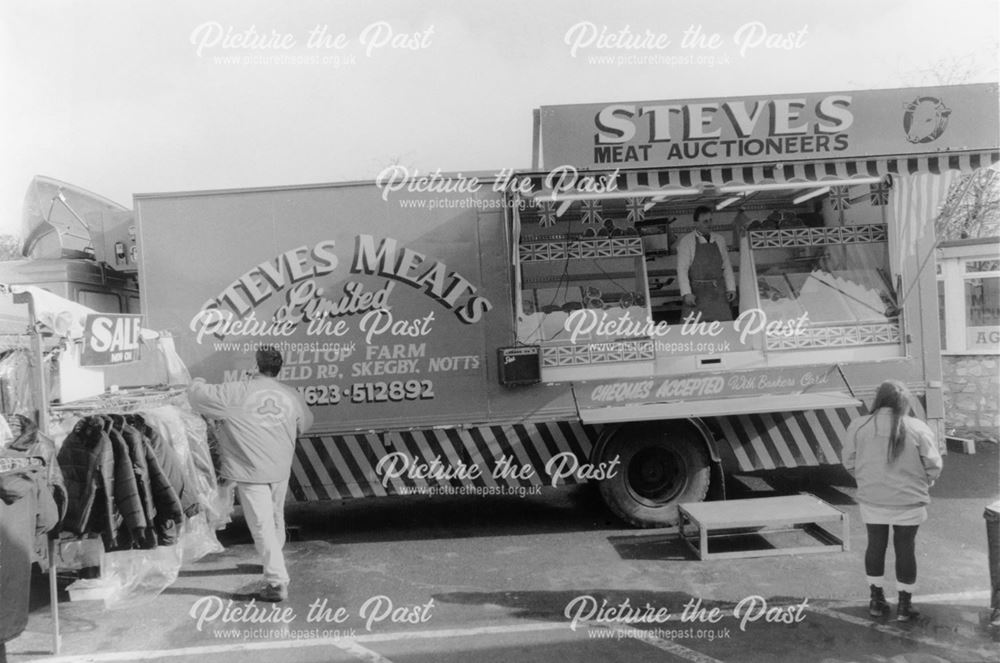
x=982, y=304
x=969, y=297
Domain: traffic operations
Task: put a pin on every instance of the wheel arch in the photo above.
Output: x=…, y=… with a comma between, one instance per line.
x=717, y=488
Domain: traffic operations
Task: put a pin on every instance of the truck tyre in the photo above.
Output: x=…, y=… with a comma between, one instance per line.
x=658, y=470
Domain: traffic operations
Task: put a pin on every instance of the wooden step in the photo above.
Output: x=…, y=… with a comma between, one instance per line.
x=802, y=514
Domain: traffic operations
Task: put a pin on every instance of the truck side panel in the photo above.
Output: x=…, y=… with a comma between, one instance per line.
x=218, y=269
x=489, y=460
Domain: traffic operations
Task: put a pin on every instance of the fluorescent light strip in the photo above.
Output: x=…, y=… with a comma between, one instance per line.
x=812, y=194
x=659, y=195
x=656, y=194
x=782, y=186
x=727, y=202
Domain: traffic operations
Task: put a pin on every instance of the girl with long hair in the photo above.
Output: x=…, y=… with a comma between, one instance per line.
x=895, y=460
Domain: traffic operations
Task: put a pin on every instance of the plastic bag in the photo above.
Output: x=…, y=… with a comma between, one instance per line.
x=177, y=372
x=198, y=539
x=85, y=555
x=17, y=379
x=139, y=576
x=186, y=433
x=220, y=511
x=6, y=435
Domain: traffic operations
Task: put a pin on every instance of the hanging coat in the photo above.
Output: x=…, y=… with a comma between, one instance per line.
x=87, y=462
x=27, y=509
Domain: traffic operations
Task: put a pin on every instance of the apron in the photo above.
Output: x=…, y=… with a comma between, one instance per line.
x=708, y=285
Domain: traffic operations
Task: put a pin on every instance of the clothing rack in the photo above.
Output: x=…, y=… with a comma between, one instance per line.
x=126, y=401
x=122, y=402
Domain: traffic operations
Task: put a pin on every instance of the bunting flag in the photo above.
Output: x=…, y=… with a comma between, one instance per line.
x=917, y=201
x=840, y=201
x=878, y=194
x=636, y=210
x=590, y=212
x=547, y=215
x=840, y=198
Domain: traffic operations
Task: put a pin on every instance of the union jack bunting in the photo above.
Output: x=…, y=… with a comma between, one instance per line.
x=879, y=194
x=840, y=198
x=590, y=212
x=547, y=215
x=636, y=210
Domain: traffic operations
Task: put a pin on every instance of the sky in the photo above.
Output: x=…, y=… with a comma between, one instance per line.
x=136, y=96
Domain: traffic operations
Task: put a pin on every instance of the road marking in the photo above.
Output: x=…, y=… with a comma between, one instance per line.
x=342, y=643
x=668, y=646
x=953, y=598
x=900, y=633
x=357, y=643
x=461, y=632
x=365, y=654
x=956, y=597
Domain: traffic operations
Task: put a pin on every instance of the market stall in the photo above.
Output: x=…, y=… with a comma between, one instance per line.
x=88, y=399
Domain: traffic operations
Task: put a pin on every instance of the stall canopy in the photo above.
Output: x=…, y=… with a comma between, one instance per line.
x=57, y=318
x=769, y=182
x=59, y=315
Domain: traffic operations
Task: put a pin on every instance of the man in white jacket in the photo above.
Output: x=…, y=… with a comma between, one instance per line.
x=261, y=419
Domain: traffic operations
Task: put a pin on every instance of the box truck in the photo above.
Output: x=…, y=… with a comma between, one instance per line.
x=495, y=335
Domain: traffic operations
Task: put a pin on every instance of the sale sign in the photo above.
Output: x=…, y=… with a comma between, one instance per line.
x=110, y=339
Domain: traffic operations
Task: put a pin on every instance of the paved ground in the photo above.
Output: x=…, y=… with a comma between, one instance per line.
x=459, y=579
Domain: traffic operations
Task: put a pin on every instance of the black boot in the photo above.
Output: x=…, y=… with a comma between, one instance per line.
x=904, y=609
x=877, y=606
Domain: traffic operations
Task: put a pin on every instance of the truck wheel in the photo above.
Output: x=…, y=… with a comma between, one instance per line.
x=657, y=471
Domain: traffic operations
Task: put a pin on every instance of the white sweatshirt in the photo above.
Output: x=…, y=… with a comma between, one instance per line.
x=905, y=481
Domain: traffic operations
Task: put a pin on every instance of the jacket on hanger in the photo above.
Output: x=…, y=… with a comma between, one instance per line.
x=27, y=510
x=126, y=482
x=127, y=478
x=88, y=466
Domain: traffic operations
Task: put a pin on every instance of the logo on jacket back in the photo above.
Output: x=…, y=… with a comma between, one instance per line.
x=269, y=406
x=925, y=119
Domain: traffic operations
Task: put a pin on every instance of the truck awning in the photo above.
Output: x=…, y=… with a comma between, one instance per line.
x=694, y=181
x=718, y=407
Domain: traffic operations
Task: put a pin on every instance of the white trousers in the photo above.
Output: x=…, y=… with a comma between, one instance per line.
x=264, y=510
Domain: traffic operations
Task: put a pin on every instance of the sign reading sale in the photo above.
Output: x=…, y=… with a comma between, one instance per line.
x=110, y=339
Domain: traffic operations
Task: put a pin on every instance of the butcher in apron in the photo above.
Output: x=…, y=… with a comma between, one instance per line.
x=704, y=272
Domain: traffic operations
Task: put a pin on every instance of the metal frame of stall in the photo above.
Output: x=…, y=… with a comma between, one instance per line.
x=42, y=419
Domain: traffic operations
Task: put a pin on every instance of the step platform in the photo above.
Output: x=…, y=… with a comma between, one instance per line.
x=762, y=520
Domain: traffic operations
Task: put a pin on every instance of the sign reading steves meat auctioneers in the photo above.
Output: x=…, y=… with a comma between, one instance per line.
x=728, y=131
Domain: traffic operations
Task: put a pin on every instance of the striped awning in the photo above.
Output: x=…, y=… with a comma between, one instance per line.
x=661, y=178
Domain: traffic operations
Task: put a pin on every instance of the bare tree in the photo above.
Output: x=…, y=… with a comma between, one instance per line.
x=980, y=64
x=972, y=208
x=10, y=248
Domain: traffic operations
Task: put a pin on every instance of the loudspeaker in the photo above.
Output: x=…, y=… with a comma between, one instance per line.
x=519, y=365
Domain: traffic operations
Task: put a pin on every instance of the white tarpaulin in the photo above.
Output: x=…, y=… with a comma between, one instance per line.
x=64, y=317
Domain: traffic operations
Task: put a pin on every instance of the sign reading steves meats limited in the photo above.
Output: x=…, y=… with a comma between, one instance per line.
x=704, y=386
x=821, y=125
x=110, y=339
x=361, y=323
x=386, y=309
